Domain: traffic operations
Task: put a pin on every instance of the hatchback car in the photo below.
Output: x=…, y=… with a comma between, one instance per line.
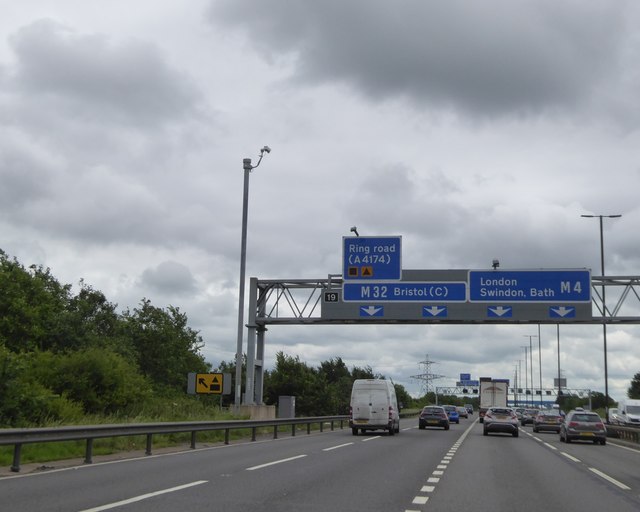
x=462, y=412
x=584, y=426
x=452, y=412
x=469, y=408
x=548, y=420
x=500, y=419
x=433, y=416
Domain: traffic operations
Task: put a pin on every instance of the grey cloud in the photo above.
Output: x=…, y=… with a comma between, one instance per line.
x=489, y=58
x=169, y=277
x=98, y=79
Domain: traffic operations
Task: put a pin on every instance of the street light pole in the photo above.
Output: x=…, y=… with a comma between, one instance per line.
x=247, y=167
x=604, y=311
x=526, y=375
x=531, y=361
x=540, y=362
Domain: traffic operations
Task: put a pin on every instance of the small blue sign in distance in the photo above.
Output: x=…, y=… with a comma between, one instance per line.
x=404, y=292
x=371, y=258
x=555, y=286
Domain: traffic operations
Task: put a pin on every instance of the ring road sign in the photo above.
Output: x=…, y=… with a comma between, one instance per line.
x=371, y=258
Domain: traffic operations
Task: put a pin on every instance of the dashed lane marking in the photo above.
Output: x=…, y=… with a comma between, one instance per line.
x=570, y=457
x=610, y=479
x=421, y=499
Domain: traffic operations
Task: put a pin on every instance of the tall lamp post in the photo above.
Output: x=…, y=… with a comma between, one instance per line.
x=526, y=375
x=604, y=311
x=531, y=361
x=246, y=165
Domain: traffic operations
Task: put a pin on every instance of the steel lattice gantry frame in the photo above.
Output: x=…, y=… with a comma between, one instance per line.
x=299, y=302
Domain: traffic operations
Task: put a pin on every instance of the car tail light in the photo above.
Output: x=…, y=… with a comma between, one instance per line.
x=599, y=426
x=573, y=423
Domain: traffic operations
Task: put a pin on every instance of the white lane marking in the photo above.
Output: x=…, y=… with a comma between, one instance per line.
x=441, y=466
x=433, y=480
x=420, y=500
x=570, y=457
x=371, y=438
x=438, y=473
x=410, y=428
x=427, y=488
x=610, y=479
x=336, y=447
x=550, y=446
x=143, y=497
x=275, y=462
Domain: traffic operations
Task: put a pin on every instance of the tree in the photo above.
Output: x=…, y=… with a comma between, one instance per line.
x=634, y=388
x=33, y=307
x=404, y=398
x=98, y=379
x=165, y=347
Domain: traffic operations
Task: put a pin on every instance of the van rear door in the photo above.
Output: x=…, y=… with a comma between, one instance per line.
x=371, y=406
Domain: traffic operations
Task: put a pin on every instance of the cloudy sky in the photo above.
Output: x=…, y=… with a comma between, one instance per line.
x=473, y=130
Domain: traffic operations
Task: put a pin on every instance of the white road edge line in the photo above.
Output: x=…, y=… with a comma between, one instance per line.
x=143, y=497
x=610, y=479
x=275, y=462
x=336, y=447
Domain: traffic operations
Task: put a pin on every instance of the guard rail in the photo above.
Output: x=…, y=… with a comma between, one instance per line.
x=629, y=434
x=19, y=437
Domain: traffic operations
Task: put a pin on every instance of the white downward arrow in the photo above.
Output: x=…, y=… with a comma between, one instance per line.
x=434, y=310
x=500, y=310
x=563, y=311
x=370, y=310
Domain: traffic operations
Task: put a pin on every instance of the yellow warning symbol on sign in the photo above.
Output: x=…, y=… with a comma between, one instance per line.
x=209, y=383
x=367, y=271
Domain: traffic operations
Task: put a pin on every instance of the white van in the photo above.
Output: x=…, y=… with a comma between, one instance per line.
x=629, y=411
x=374, y=406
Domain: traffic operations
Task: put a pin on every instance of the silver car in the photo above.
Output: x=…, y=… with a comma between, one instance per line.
x=500, y=419
x=584, y=426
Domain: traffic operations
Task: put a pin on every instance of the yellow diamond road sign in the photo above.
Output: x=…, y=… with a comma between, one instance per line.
x=209, y=383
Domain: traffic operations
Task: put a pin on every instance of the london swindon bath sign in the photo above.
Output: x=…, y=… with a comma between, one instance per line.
x=530, y=285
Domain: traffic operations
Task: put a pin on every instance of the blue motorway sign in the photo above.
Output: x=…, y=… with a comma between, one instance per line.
x=556, y=286
x=371, y=258
x=403, y=291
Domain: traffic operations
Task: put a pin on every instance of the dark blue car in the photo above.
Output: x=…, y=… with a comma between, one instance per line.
x=452, y=412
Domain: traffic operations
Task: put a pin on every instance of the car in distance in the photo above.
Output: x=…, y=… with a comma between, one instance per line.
x=584, y=426
x=433, y=416
x=452, y=412
x=469, y=408
x=527, y=416
x=462, y=412
x=549, y=419
x=500, y=419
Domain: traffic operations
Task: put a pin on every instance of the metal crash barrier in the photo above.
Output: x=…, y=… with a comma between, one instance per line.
x=20, y=437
